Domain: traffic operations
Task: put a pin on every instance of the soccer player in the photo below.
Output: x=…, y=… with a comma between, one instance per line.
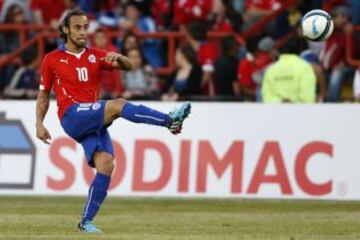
x=73, y=72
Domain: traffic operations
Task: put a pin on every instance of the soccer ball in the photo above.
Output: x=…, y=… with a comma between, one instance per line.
x=317, y=25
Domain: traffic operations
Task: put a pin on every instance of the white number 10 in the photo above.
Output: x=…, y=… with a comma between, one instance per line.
x=82, y=74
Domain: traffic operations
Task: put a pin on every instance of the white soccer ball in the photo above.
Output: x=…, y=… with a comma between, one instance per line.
x=317, y=25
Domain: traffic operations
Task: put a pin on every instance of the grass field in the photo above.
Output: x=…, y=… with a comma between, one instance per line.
x=56, y=218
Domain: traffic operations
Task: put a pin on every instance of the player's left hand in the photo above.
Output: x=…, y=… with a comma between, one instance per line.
x=117, y=60
x=110, y=57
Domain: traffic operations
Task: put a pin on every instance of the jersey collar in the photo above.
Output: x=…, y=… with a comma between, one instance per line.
x=77, y=55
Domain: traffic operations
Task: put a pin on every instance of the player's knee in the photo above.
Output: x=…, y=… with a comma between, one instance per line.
x=117, y=104
x=105, y=164
x=109, y=166
x=114, y=108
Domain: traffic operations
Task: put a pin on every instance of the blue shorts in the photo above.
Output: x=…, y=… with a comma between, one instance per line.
x=84, y=122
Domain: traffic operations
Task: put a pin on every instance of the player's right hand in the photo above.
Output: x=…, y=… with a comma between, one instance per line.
x=43, y=134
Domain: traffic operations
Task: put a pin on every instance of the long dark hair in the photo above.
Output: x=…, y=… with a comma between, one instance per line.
x=190, y=54
x=12, y=37
x=10, y=14
x=66, y=22
x=127, y=35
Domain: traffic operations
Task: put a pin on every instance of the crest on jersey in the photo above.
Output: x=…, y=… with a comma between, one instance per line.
x=96, y=106
x=92, y=58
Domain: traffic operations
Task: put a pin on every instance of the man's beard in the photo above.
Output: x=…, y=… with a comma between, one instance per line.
x=78, y=44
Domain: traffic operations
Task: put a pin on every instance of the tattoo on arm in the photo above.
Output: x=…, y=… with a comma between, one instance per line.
x=124, y=63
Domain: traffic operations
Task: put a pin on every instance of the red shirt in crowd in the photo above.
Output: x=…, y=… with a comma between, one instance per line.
x=224, y=26
x=187, y=11
x=262, y=4
x=333, y=52
x=207, y=54
x=329, y=5
x=111, y=80
x=159, y=9
x=74, y=77
x=51, y=10
x=251, y=68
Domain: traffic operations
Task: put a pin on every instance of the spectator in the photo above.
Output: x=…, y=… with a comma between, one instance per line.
x=134, y=20
x=47, y=12
x=225, y=75
x=255, y=9
x=161, y=10
x=225, y=18
x=96, y=8
x=110, y=81
x=207, y=54
x=289, y=79
x=144, y=6
x=102, y=41
x=101, y=12
x=69, y=5
x=24, y=4
x=188, y=11
x=129, y=41
x=14, y=15
x=251, y=69
x=24, y=83
x=332, y=56
x=141, y=81
x=186, y=79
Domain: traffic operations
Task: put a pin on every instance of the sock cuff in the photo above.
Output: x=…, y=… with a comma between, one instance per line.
x=128, y=109
x=101, y=181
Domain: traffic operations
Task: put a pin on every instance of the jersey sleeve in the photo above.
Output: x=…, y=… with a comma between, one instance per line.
x=103, y=64
x=47, y=75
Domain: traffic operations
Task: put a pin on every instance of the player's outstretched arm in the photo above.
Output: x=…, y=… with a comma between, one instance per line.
x=42, y=107
x=118, y=61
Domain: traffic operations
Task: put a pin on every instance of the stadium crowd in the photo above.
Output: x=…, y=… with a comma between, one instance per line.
x=221, y=69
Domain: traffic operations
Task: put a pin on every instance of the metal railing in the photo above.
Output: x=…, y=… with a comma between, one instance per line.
x=45, y=33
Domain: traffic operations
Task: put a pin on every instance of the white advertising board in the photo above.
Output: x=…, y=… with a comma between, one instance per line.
x=225, y=150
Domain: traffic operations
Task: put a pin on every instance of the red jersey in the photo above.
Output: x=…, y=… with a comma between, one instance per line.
x=73, y=77
x=159, y=10
x=263, y=4
x=207, y=54
x=333, y=51
x=224, y=26
x=51, y=10
x=250, y=71
x=187, y=11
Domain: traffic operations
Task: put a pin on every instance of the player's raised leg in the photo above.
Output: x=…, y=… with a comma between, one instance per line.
x=141, y=114
x=104, y=164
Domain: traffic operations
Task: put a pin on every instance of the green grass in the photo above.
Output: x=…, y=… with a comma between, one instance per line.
x=185, y=219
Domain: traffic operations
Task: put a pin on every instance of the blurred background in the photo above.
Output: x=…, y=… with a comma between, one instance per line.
x=199, y=50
